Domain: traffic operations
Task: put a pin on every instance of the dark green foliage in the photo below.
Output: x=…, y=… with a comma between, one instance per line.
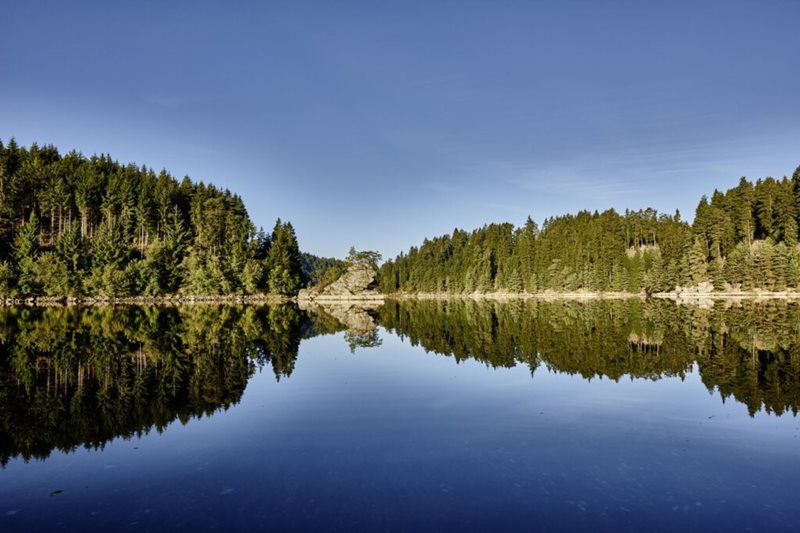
x=745, y=238
x=595, y=251
x=284, y=262
x=71, y=225
x=75, y=225
x=363, y=257
x=321, y=271
x=697, y=268
x=716, y=273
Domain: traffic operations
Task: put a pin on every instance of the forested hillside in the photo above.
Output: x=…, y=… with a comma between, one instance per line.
x=72, y=225
x=743, y=239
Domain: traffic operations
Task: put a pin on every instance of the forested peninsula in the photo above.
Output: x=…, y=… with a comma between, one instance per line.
x=89, y=227
x=743, y=241
x=73, y=226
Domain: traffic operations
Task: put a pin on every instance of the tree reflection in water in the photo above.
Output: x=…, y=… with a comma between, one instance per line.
x=749, y=351
x=73, y=377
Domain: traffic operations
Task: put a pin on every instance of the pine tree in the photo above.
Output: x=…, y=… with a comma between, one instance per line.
x=793, y=271
x=780, y=267
x=716, y=271
x=26, y=253
x=698, y=268
x=790, y=231
x=174, y=246
x=26, y=241
x=743, y=211
x=71, y=250
x=763, y=252
x=765, y=197
x=284, y=265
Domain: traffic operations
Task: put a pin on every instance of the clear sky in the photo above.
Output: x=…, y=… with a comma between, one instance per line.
x=376, y=125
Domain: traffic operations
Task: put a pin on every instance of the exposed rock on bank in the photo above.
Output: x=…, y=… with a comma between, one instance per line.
x=359, y=282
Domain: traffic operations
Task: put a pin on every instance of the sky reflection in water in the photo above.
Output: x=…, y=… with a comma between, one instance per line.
x=396, y=438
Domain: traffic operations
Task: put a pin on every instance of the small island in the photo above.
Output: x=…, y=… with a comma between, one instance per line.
x=357, y=281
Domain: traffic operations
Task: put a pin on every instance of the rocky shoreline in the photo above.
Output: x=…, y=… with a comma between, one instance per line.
x=357, y=284
x=682, y=295
x=63, y=301
x=357, y=287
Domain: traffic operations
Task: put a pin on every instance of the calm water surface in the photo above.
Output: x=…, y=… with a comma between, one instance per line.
x=457, y=416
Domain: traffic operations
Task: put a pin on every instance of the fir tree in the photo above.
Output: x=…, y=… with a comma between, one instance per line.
x=284, y=262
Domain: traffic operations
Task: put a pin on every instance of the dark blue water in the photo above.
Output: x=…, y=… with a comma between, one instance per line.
x=394, y=438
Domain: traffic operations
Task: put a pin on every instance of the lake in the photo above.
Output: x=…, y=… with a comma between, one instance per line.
x=418, y=415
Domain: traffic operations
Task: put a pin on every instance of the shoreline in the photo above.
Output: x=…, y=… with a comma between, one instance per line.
x=98, y=301
x=677, y=296
x=263, y=299
x=501, y=296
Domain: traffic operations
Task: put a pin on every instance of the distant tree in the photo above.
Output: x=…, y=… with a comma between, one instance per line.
x=363, y=257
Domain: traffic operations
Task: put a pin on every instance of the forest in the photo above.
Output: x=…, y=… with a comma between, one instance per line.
x=741, y=240
x=72, y=225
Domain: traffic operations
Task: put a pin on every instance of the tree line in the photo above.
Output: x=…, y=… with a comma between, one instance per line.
x=743, y=239
x=76, y=225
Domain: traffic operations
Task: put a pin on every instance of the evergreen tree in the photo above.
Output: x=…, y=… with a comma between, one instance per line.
x=123, y=229
x=716, y=271
x=284, y=263
x=26, y=254
x=733, y=240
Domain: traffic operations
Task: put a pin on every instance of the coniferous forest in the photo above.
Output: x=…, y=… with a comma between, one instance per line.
x=743, y=239
x=72, y=225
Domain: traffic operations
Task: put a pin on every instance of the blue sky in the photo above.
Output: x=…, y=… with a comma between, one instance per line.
x=377, y=125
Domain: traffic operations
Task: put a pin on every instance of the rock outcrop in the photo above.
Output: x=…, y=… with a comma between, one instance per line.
x=357, y=283
x=352, y=300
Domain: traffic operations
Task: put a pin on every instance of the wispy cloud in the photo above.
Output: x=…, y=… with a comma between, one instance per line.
x=612, y=172
x=174, y=99
x=440, y=187
x=561, y=182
